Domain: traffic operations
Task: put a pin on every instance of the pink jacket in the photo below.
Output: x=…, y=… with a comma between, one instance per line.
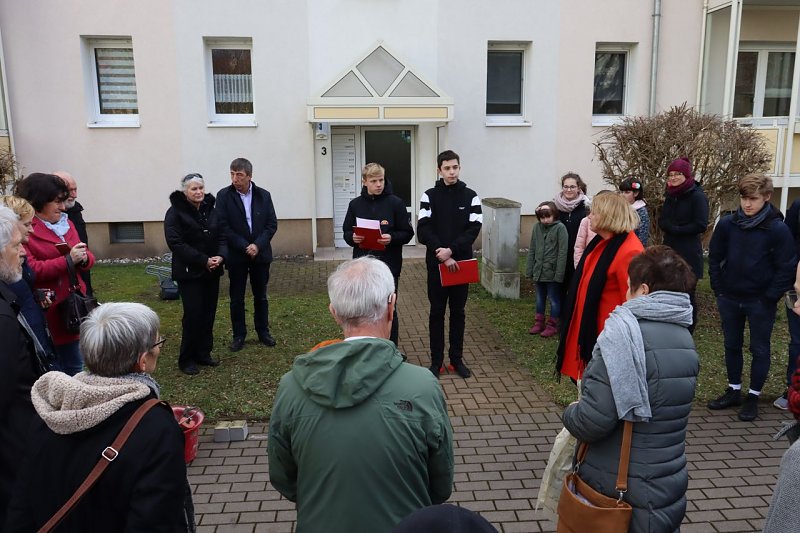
x=585, y=236
x=50, y=270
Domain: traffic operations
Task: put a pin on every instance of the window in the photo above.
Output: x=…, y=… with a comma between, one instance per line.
x=230, y=82
x=111, y=82
x=763, y=83
x=609, y=83
x=126, y=232
x=505, y=83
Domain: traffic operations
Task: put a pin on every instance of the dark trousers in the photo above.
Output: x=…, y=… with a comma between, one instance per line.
x=393, y=336
x=259, y=277
x=794, y=344
x=199, y=298
x=439, y=297
x=761, y=316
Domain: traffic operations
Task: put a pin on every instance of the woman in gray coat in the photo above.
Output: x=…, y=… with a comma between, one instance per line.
x=643, y=369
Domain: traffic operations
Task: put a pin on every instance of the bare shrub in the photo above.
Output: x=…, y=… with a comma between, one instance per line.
x=9, y=172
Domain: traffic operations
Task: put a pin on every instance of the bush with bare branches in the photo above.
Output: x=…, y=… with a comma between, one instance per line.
x=8, y=172
x=720, y=150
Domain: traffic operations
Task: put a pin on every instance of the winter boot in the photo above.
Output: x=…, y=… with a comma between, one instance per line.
x=538, y=325
x=552, y=327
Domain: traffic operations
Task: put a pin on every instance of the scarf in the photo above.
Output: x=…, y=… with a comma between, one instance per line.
x=680, y=189
x=566, y=206
x=638, y=204
x=621, y=346
x=746, y=222
x=60, y=228
x=587, y=334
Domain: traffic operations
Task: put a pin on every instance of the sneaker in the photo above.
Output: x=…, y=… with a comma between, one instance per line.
x=435, y=370
x=731, y=398
x=782, y=402
x=749, y=410
x=461, y=369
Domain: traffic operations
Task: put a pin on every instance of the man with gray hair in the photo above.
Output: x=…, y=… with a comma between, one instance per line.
x=19, y=366
x=358, y=438
x=74, y=211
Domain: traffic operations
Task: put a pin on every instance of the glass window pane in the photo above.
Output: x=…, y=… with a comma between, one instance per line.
x=504, y=83
x=116, y=81
x=380, y=69
x=609, y=83
x=745, y=84
x=233, y=81
x=778, y=89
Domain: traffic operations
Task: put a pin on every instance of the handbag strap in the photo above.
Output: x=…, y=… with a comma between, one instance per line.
x=624, y=458
x=109, y=454
x=73, y=276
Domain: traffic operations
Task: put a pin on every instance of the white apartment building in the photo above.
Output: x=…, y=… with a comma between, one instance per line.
x=130, y=96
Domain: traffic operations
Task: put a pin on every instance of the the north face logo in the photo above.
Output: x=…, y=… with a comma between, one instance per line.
x=404, y=405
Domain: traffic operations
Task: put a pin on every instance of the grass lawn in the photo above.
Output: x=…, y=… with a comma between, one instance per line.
x=513, y=318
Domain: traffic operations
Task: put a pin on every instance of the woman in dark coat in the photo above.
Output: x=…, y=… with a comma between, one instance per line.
x=573, y=206
x=197, y=245
x=145, y=489
x=684, y=219
x=644, y=369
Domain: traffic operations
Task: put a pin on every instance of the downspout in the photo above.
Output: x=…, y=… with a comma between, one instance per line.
x=702, y=62
x=654, y=58
x=787, y=156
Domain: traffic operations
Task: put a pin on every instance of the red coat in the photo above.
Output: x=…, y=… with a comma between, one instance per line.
x=50, y=270
x=614, y=292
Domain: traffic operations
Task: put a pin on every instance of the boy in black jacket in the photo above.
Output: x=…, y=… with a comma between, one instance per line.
x=450, y=219
x=378, y=202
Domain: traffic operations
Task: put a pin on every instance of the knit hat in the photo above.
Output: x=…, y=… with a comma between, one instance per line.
x=445, y=518
x=682, y=165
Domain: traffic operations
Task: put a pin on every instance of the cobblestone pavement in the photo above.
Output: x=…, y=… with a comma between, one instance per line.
x=504, y=426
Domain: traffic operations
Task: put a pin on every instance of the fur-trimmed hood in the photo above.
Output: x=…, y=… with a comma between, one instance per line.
x=178, y=200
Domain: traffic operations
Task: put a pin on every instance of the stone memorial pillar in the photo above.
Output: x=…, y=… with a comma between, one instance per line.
x=500, y=238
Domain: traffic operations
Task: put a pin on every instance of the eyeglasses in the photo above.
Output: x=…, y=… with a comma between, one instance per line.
x=161, y=340
x=188, y=177
x=569, y=187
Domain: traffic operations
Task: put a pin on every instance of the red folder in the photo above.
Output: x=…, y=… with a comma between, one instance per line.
x=467, y=273
x=371, y=237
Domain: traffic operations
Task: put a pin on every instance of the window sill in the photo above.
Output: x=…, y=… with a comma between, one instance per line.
x=249, y=124
x=607, y=120
x=509, y=122
x=100, y=125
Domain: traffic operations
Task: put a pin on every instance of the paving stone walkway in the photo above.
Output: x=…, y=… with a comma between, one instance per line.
x=504, y=426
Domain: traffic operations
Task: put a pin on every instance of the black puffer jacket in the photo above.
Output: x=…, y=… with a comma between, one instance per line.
x=391, y=212
x=193, y=235
x=657, y=475
x=684, y=219
x=450, y=216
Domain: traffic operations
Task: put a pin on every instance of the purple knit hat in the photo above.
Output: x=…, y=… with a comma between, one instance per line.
x=682, y=165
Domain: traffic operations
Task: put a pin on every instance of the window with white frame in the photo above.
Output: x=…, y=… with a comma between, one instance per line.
x=111, y=82
x=505, y=82
x=611, y=64
x=763, y=82
x=230, y=81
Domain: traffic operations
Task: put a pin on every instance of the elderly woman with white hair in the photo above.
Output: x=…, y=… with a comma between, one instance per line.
x=146, y=489
x=197, y=245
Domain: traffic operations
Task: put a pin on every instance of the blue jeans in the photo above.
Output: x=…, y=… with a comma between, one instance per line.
x=794, y=344
x=761, y=316
x=70, y=360
x=545, y=290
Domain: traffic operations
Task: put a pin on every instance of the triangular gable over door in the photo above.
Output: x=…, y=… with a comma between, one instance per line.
x=380, y=89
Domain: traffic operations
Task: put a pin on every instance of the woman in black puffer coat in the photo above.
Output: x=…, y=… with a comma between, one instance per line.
x=198, y=251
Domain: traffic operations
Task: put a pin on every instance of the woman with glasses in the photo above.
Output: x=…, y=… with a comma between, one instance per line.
x=573, y=206
x=53, y=246
x=197, y=245
x=145, y=489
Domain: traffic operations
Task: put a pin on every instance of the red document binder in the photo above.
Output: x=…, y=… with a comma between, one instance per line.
x=371, y=237
x=467, y=273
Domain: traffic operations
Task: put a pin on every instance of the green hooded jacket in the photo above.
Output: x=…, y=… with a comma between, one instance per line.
x=547, y=254
x=359, y=439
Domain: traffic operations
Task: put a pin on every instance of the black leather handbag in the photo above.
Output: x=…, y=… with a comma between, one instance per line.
x=76, y=306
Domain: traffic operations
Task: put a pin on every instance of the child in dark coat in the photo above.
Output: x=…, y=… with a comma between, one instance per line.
x=547, y=261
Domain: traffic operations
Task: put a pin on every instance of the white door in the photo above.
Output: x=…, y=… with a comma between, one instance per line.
x=346, y=179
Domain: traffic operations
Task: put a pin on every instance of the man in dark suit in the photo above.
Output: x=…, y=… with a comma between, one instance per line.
x=248, y=220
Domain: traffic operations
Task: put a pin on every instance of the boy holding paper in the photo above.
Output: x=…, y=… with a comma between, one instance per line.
x=378, y=207
x=450, y=219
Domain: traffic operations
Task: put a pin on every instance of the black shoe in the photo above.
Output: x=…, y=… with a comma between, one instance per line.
x=237, y=344
x=435, y=369
x=461, y=369
x=749, y=410
x=731, y=398
x=190, y=369
x=208, y=361
x=267, y=340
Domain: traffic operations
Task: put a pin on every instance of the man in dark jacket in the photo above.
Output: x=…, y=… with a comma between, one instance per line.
x=751, y=264
x=450, y=219
x=358, y=438
x=378, y=203
x=18, y=364
x=247, y=218
x=74, y=211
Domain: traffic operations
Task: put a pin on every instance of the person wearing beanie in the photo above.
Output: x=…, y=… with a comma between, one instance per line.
x=684, y=219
